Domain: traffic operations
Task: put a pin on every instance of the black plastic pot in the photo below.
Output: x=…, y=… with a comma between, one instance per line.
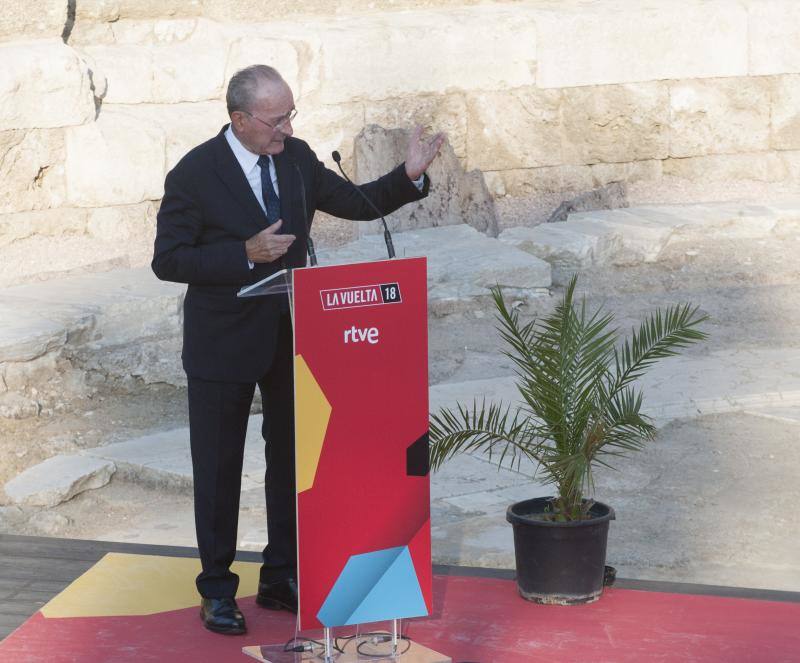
x=559, y=562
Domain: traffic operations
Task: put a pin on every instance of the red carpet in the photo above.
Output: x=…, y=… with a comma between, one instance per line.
x=475, y=619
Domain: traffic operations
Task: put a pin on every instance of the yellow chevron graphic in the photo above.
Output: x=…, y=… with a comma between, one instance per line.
x=312, y=413
x=125, y=585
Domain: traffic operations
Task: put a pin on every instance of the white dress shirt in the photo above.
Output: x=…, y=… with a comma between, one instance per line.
x=252, y=171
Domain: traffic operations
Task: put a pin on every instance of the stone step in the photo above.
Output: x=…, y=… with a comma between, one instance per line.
x=59, y=479
x=641, y=234
x=756, y=381
x=59, y=338
x=463, y=265
x=163, y=460
x=43, y=245
x=743, y=379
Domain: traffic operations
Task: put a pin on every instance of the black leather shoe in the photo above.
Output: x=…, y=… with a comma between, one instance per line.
x=279, y=595
x=222, y=616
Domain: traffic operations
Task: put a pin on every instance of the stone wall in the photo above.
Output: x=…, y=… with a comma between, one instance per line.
x=99, y=98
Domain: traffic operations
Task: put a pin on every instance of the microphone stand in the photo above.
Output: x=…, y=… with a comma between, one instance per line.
x=387, y=236
x=312, y=255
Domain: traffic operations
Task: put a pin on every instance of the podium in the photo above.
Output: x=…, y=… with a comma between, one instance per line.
x=361, y=442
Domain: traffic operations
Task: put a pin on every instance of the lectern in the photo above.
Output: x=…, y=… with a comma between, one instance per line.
x=361, y=427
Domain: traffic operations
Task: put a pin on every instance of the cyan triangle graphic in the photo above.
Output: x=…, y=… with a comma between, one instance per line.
x=372, y=587
x=396, y=595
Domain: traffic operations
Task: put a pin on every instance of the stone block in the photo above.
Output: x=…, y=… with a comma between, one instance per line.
x=164, y=459
x=788, y=214
x=457, y=198
x=374, y=56
x=575, y=245
x=90, y=34
x=32, y=170
x=719, y=116
x=774, y=37
x=116, y=10
x=758, y=166
x=59, y=479
x=161, y=459
x=463, y=265
x=785, y=126
x=584, y=178
x=127, y=69
x=447, y=113
x=570, y=179
x=27, y=334
x=553, y=243
x=116, y=160
x=119, y=324
x=791, y=161
x=713, y=220
x=524, y=181
x=165, y=68
x=142, y=361
x=184, y=126
x=162, y=31
x=43, y=223
x=622, y=42
x=642, y=240
x=328, y=128
x=43, y=84
x=38, y=258
x=615, y=123
x=38, y=19
x=125, y=305
x=606, y=242
x=20, y=376
x=516, y=129
x=277, y=53
x=123, y=223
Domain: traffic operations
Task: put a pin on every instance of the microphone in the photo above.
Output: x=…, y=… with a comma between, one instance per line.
x=312, y=255
x=387, y=236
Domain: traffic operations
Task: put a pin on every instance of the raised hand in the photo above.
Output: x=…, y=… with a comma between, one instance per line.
x=268, y=245
x=421, y=151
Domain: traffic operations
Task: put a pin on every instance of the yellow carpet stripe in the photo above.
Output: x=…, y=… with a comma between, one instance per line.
x=123, y=585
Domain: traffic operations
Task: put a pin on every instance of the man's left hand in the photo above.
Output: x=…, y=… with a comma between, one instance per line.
x=421, y=151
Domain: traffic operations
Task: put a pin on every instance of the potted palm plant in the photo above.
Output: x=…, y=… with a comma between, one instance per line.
x=579, y=409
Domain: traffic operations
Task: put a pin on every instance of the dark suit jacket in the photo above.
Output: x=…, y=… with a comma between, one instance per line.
x=209, y=211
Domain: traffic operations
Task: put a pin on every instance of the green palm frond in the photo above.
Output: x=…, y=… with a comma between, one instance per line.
x=579, y=408
x=660, y=335
x=493, y=430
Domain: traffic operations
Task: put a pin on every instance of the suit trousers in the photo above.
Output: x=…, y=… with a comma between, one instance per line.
x=218, y=416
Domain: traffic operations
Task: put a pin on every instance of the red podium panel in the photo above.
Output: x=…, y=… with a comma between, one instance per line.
x=361, y=414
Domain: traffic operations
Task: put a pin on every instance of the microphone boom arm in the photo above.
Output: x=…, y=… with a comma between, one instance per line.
x=387, y=236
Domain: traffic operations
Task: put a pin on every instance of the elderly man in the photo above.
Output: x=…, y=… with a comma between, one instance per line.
x=232, y=214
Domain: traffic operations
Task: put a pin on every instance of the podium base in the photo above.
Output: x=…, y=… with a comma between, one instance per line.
x=355, y=651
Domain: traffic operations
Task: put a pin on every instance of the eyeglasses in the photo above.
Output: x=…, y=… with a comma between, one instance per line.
x=280, y=124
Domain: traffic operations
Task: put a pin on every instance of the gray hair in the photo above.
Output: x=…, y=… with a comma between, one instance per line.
x=244, y=84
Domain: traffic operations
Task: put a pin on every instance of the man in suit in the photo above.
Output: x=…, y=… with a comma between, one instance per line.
x=232, y=214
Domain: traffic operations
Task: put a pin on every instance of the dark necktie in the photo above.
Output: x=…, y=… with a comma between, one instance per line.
x=273, y=205
x=271, y=200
